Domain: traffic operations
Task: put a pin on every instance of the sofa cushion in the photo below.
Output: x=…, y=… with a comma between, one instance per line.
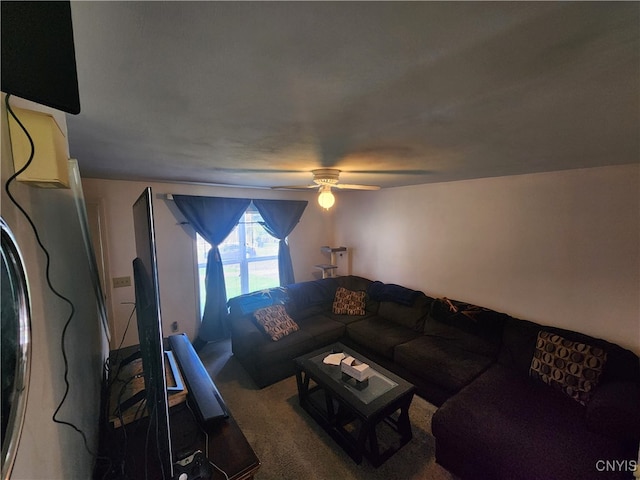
x=347, y=319
x=390, y=292
x=353, y=282
x=474, y=329
x=574, y=368
x=519, y=342
x=504, y=426
x=614, y=410
x=464, y=340
x=441, y=362
x=412, y=317
x=349, y=302
x=323, y=329
x=275, y=321
x=299, y=314
x=379, y=334
x=315, y=292
x=285, y=349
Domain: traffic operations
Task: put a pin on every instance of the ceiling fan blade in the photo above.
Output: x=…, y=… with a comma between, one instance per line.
x=254, y=170
x=348, y=186
x=295, y=187
x=391, y=172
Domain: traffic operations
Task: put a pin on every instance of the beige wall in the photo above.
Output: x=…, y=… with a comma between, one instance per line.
x=557, y=248
x=48, y=450
x=176, y=247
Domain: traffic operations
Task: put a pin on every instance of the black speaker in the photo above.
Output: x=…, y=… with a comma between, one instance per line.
x=209, y=404
x=38, y=54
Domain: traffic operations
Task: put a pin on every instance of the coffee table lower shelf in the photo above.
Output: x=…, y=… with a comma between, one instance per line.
x=355, y=432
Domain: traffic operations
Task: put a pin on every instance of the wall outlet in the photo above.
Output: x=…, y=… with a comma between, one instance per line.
x=119, y=282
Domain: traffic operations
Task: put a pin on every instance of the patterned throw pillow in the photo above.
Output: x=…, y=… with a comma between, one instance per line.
x=275, y=321
x=348, y=302
x=571, y=367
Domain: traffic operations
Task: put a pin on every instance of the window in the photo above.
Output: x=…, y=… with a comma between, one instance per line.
x=249, y=258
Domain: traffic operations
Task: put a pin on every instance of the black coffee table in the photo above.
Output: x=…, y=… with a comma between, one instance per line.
x=353, y=413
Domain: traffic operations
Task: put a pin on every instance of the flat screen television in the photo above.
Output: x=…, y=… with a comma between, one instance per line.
x=149, y=320
x=179, y=450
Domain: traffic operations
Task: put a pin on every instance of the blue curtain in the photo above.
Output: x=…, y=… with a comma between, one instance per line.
x=280, y=218
x=213, y=218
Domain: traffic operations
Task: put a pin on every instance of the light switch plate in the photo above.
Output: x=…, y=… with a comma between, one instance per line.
x=119, y=282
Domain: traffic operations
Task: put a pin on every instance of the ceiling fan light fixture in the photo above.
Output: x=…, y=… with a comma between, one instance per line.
x=326, y=176
x=326, y=198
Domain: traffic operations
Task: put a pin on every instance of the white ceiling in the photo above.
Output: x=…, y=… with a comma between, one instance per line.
x=391, y=93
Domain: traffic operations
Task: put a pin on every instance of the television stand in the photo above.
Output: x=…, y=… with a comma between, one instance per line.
x=221, y=442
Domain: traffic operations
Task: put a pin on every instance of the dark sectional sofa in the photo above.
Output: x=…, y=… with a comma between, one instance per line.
x=495, y=419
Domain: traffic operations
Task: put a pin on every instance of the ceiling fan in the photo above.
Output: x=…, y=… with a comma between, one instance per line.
x=324, y=180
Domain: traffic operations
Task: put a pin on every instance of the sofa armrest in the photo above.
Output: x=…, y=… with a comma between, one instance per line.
x=614, y=410
x=245, y=335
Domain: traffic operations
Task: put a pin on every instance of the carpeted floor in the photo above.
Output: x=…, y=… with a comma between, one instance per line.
x=291, y=445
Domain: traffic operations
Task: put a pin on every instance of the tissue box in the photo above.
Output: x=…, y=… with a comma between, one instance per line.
x=355, y=368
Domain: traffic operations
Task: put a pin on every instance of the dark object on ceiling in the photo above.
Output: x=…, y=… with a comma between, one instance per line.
x=38, y=54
